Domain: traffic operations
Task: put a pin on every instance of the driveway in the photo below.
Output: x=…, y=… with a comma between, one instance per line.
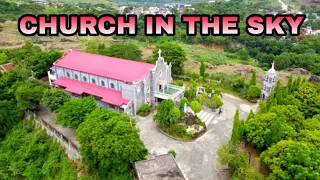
x=198, y=159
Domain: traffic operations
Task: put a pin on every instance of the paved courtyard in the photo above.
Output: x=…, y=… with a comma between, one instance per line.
x=198, y=159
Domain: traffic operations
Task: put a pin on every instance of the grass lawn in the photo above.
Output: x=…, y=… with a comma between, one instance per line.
x=213, y=56
x=171, y=132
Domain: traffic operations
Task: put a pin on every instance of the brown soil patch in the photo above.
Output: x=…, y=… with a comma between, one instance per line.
x=245, y=70
x=11, y=38
x=146, y=52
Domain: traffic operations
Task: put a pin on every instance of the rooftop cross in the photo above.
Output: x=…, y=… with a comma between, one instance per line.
x=159, y=52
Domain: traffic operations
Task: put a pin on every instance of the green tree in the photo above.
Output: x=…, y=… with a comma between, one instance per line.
x=191, y=90
x=33, y=155
x=289, y=84
x=174, y=54
x=167, y=114
x=73, y=112
x=202, y=69
x=109, y=144
x=55, y=98
x=124, y=51
x=250, y=115
x=238, y=129
x=263, y=107
x=253, y=92
x=29, y=94
x=266, y=129
x=10, y=115
x=238, y=83
x=253, y=80
x=308, y=95
x=292, y=160
x=238, y=162
x=216, y=100
x=3, y=58
x=195, y=106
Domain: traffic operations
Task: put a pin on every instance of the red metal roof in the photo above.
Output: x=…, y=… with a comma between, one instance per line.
x=108, y=95
x=6, y=67
x=105, y=66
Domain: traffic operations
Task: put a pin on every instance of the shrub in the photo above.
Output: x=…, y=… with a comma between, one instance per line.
x=195, y=106
x=216, y=100
x=199, y=122
x=253, y=92
x=144, y=110
x=238, y=83
x=181, y=130
x=172, y=152
x=178, y=83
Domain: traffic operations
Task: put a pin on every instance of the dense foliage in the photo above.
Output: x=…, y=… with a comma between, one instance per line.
x=73, y=112
x=29, y=94
x=55, y=98
x=167, y=114
x=286, y=128
x=110, y=144
x=292, y=160
x=195, y=106
x=144, y=110
x=124, y=51
x=27, y=154
x=172, y=53
x=238, y=162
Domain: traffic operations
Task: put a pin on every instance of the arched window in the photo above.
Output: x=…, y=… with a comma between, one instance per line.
x=93, y=81
x=160, y=73
x=148, y=89
x=84, y=79
x=102, y=83
x=76, y=77
x=267, y=78
x=111, y=85
x=68, y=74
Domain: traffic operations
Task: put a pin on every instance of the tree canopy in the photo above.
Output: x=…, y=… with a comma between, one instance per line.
x=73, y=112
x=55, y=98
x=167, y=113
x=33, y=155
x=172, y=53
x=109, y=143
x=29, y=94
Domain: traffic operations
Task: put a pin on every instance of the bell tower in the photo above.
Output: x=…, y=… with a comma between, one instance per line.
x=269, y=83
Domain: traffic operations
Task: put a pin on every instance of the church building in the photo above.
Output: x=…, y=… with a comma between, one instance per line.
x=119, y=84
x=269, y=83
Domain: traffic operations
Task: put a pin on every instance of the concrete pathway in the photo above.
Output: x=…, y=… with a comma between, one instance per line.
x=198, y=159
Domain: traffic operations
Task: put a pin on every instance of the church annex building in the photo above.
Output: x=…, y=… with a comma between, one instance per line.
x=119, y=84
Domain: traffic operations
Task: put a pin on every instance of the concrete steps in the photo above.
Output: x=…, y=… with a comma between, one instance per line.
x=206, y=116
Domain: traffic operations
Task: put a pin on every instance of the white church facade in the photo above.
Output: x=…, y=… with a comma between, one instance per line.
x=119, y=84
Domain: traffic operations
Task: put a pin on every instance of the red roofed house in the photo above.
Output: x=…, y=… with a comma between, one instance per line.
x=119, y=84
x=5, y=67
